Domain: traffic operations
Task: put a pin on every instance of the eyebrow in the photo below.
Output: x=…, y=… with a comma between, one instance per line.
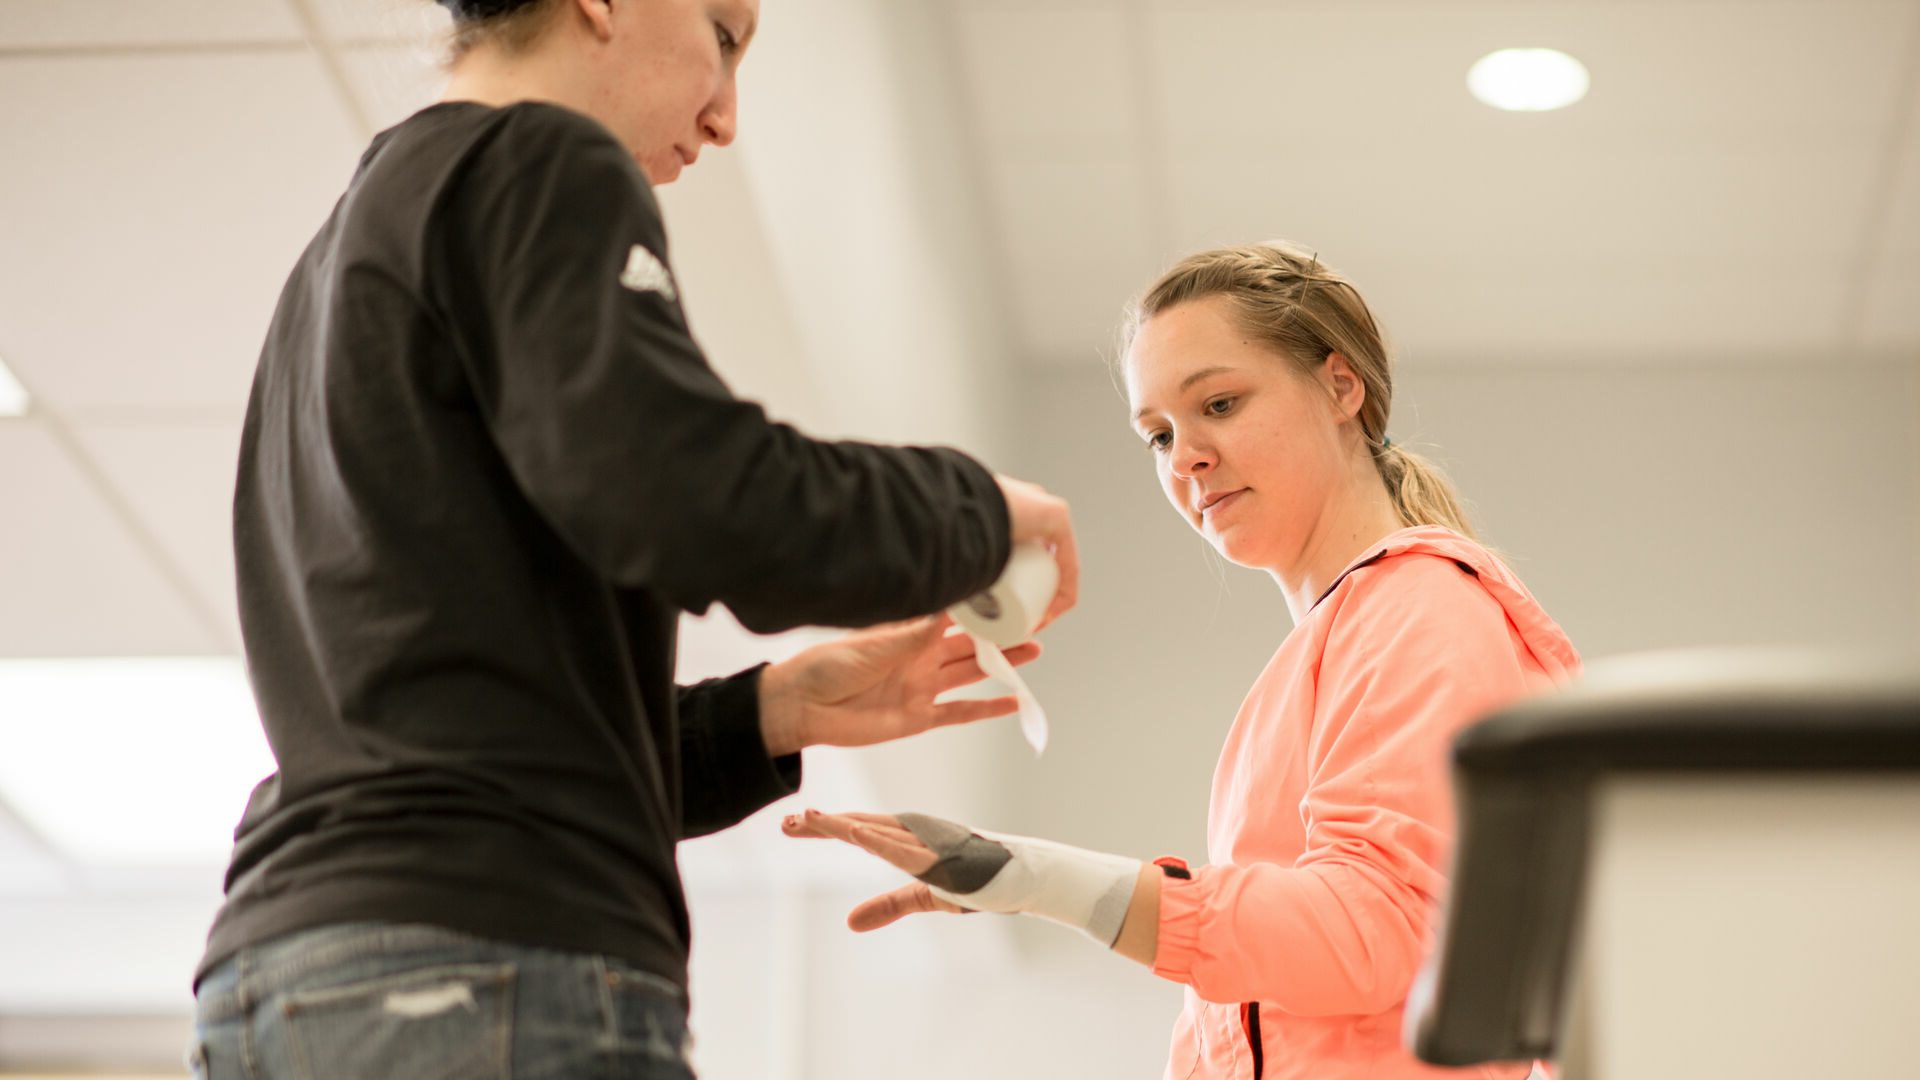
x=1203, y=373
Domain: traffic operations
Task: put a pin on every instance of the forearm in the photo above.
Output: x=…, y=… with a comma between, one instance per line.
x=1140, y=933
x=728, y=771
x=782, y=711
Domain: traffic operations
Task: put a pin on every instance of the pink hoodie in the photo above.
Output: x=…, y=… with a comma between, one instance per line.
x=1331, y=820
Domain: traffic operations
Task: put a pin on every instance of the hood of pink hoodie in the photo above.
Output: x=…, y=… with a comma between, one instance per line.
x=1544, y=638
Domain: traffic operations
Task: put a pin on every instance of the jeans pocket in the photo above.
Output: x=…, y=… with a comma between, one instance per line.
x=650, y=1021
x=434, y=1023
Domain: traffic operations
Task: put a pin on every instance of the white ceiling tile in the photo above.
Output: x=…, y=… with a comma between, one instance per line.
x=1751, y=70
x=1047, y=74
x=1485, y=209
x=1721, y=139
x=66, y=24
x=1076, y=233
x=394, y=81
x=1549, y=311
x=178, y=479
x=75, y=580
x=159, y=225
x=412, y=21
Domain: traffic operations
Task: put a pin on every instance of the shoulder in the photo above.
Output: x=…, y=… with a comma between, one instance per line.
x=536, y=151
x=558, y=172
x=1408, y=582
x=537, y=125
x=1414, y=604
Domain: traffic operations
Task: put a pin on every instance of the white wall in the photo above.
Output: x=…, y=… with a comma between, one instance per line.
x=1647, y=505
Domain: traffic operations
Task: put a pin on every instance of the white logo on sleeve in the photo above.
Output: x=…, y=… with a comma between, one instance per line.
x=646, y=273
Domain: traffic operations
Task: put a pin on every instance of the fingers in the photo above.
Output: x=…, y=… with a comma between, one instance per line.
x=970, y=711
x=876, y=834
x=1066, y=553
x=882, y=835
x=814, y=824
x=888, y=908
x=1024, y=653
x=1035, y=514
x=907, y=852
x=967, y=671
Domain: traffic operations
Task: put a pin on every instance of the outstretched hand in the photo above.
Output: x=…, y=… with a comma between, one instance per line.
x=876, y=685
x=884, y=836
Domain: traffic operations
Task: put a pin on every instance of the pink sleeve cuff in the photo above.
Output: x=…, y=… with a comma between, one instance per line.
x=1179, y=938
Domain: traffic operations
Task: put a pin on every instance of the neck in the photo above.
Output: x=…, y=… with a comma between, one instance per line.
x=542, y=71
x=1358, y=515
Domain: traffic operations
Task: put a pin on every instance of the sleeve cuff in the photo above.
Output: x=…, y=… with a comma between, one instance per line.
x=989, y=507
x=1181, y=903
x=737, y=748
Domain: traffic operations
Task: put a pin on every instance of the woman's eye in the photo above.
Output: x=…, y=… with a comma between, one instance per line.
x=1160, y=440
x=728, y=43
x=1220, y=406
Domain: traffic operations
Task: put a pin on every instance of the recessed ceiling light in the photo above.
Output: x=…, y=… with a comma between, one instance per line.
x=1528, y=80
x=13, y=396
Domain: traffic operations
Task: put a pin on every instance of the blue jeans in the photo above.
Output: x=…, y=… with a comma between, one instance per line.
x=368, y=1001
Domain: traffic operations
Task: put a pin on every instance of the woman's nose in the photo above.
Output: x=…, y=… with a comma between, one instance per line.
x=1191, y=460
x=722, y=117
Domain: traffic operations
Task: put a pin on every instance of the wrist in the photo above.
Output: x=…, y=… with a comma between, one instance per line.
x=782, y=711
x=1090, y=891
x=1139, y=936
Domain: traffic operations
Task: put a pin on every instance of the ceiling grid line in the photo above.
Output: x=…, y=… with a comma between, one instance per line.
x=328, y=52
x=153, y=48
x=1871, y=244
x=170, y=568
x=187, y=48
x=13, y=822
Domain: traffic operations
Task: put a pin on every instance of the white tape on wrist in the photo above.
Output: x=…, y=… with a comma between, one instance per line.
x=1087, y=890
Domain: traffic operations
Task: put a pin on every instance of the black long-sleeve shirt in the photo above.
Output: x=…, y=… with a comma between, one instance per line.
x=484, y=469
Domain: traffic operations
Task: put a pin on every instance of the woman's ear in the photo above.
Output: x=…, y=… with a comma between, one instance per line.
x=599, y=16
x=1344, y=385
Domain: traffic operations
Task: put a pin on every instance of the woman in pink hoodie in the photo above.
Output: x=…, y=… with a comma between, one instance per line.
x=1259, y=380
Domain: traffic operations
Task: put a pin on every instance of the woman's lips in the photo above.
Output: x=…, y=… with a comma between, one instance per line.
x=1221, y=503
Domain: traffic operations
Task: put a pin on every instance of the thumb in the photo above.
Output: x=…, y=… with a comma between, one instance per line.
x=889, y=908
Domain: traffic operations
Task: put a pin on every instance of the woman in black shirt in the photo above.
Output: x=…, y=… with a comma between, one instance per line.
x=485, y=468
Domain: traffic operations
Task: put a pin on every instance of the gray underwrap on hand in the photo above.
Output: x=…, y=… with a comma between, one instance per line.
x=967, y=861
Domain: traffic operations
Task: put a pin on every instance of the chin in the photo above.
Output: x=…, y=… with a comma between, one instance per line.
x=663, y=169
x=1237, y=551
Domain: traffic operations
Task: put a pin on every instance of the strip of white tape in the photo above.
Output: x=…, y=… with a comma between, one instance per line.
x=1033, y=719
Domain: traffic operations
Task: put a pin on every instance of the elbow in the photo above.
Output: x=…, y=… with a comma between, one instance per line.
x=1372, y=980
x=1383, y=990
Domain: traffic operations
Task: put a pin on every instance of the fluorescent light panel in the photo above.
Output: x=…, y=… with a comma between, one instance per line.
x=131, y=761
x=13, y=396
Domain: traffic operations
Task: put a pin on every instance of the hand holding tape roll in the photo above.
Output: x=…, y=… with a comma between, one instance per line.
x=1006, y=615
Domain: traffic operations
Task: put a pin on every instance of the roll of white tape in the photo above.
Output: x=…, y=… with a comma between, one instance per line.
x=1005, y=616
x=1007, y=613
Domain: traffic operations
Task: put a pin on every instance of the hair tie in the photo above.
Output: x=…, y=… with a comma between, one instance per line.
x=1386, y=443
